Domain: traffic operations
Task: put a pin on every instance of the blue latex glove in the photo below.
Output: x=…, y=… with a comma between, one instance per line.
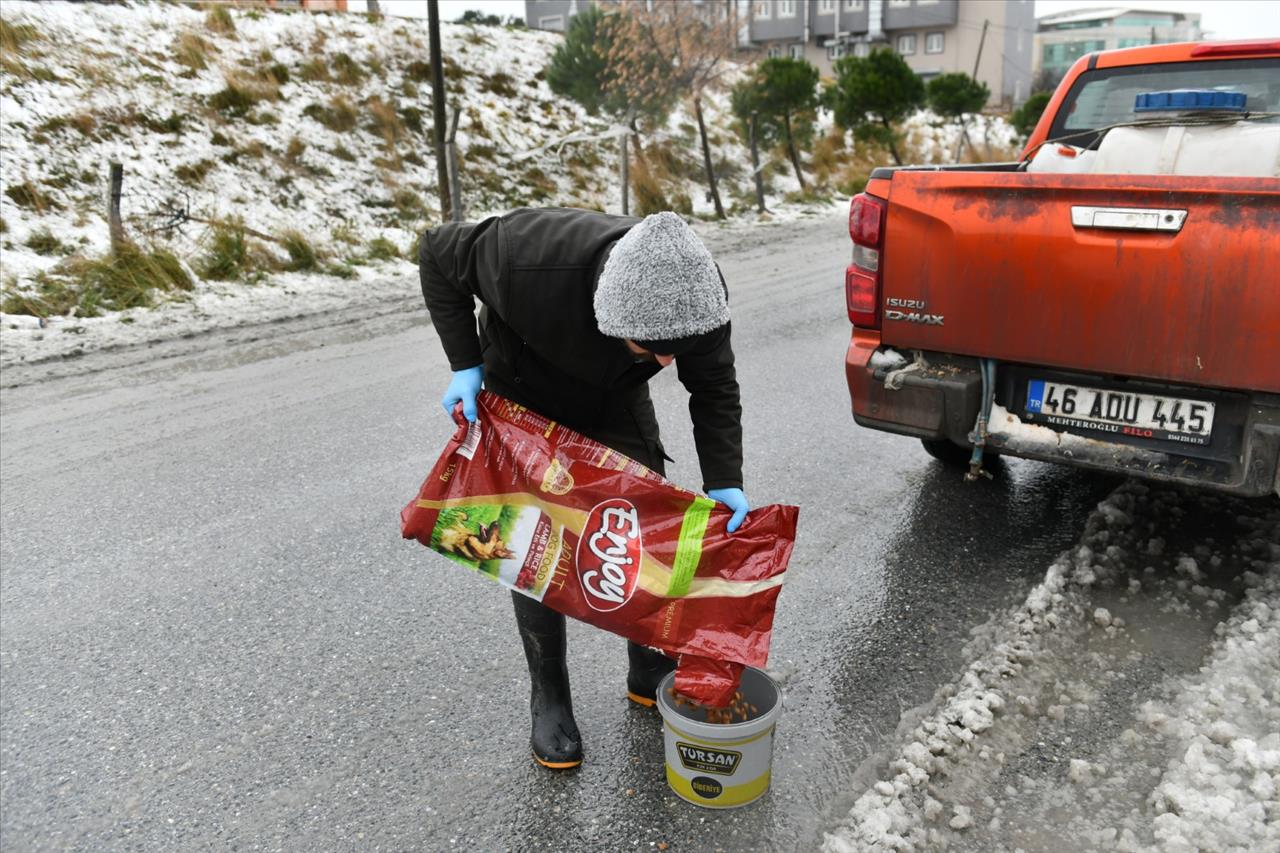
x=464, y=386
x=734, y=499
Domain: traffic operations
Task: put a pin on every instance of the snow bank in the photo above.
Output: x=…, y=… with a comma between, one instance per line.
x=1213, y=743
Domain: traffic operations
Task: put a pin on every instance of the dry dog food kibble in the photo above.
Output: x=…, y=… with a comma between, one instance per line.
x=599, y=537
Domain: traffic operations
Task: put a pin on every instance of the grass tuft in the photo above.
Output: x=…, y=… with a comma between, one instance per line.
x=314, y=71
x=276, y=72
x=340, y=116
x=43, y=242
x=501, y=84
x=28, y=195
x=243, y=93
x=231, y=254
x=382, y=249
x=385, y=122
x=13, y=37
x=219, y=20
x=193, y=174
x=302, y=255
x=193, y=50
x=129, y=277
x=346, y=70
x=418, y=71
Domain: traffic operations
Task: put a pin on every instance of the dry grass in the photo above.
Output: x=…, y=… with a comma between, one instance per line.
x=501, y=84
x=193, y=50
x=15, y=37
x=384, y=121
x=294, y=150
x=346, y=70
x=218, y=20
x=242, y=93
x=418, y=71
x=302, y=255
x=340, y=116
x=314, y=71
x=193, y=174
x=31, y=197
x=231, y=254
x=129, y=277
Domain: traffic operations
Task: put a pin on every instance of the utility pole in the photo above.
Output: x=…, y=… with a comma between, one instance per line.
x=964, y=133
x=438, y=109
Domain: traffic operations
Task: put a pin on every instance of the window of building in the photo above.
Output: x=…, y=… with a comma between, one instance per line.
x=797, y=51
x=775, y=51
x=762, y=11
x=934, y=43
x=786, y=8
x=839, y=50
x=1062, y=54
x=899, y=2
x=552, y=22
x=926, y=2
x=826, y=7
x=853, y=5
x=907, y=44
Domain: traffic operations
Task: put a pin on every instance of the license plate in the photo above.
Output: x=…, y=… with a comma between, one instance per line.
x=1119, y=412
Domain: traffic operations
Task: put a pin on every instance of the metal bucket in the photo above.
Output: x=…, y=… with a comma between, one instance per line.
x=721, y=766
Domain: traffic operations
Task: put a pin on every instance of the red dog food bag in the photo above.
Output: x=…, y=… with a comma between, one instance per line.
x=597, y=536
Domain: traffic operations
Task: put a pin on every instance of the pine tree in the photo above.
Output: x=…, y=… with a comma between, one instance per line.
x=873, y=94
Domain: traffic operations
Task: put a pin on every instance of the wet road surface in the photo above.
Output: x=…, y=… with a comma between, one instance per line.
x=213, y=636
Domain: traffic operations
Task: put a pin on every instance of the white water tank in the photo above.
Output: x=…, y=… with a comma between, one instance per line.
x=1242, y=149
x=1194, y=136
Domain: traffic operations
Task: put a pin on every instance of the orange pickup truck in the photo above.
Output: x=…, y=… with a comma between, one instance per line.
x=1110, y=301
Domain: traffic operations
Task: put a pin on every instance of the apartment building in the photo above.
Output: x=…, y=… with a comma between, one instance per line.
x=933, y=36
x=1064, y=37
x=554, y=15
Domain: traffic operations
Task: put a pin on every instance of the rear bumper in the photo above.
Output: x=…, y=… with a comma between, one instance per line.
x=942, y=402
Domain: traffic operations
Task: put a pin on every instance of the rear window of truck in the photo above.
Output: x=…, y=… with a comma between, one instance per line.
x=1105, y=96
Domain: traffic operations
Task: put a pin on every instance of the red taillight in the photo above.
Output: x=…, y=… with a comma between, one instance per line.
x=862, y=278
x=1237, y=48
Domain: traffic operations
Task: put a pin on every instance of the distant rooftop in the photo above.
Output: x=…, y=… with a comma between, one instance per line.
x=1106, y=13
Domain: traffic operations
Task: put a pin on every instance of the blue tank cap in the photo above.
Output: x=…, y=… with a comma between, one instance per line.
x=1199, y=100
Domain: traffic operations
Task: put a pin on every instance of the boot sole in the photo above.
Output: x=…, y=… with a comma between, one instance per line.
x=556, y=765
x=642, y=701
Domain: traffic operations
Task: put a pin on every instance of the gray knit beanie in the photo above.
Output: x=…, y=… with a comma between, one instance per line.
x=660, y=283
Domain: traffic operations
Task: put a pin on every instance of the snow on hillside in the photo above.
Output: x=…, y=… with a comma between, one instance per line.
x=314, y=127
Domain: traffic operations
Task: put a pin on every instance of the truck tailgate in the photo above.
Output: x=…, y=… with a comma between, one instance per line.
x=990, y=264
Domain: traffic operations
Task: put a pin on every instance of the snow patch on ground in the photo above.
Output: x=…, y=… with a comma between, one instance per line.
x=989, y=765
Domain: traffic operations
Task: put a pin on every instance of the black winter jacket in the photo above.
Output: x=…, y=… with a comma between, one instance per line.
x=535, y=272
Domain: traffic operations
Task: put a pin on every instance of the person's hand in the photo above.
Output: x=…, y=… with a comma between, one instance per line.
x=734, y=499
x=463, y=387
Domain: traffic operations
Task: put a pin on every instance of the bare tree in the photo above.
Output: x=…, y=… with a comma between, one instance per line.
x=678, y=47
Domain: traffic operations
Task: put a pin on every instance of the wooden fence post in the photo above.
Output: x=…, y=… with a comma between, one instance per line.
x=114, y=222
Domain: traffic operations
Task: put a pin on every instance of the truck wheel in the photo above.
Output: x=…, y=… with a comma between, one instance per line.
x=948, y=452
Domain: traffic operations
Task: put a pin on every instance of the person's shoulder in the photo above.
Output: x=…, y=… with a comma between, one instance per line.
x=566, y=216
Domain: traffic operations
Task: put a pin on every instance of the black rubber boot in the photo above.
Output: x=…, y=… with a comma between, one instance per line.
x=555, y=739
x=647, y=668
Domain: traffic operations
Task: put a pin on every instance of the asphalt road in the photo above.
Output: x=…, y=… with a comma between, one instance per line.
x=212, y=635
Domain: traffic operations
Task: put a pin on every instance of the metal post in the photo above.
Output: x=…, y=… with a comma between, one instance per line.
x=438, y=107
